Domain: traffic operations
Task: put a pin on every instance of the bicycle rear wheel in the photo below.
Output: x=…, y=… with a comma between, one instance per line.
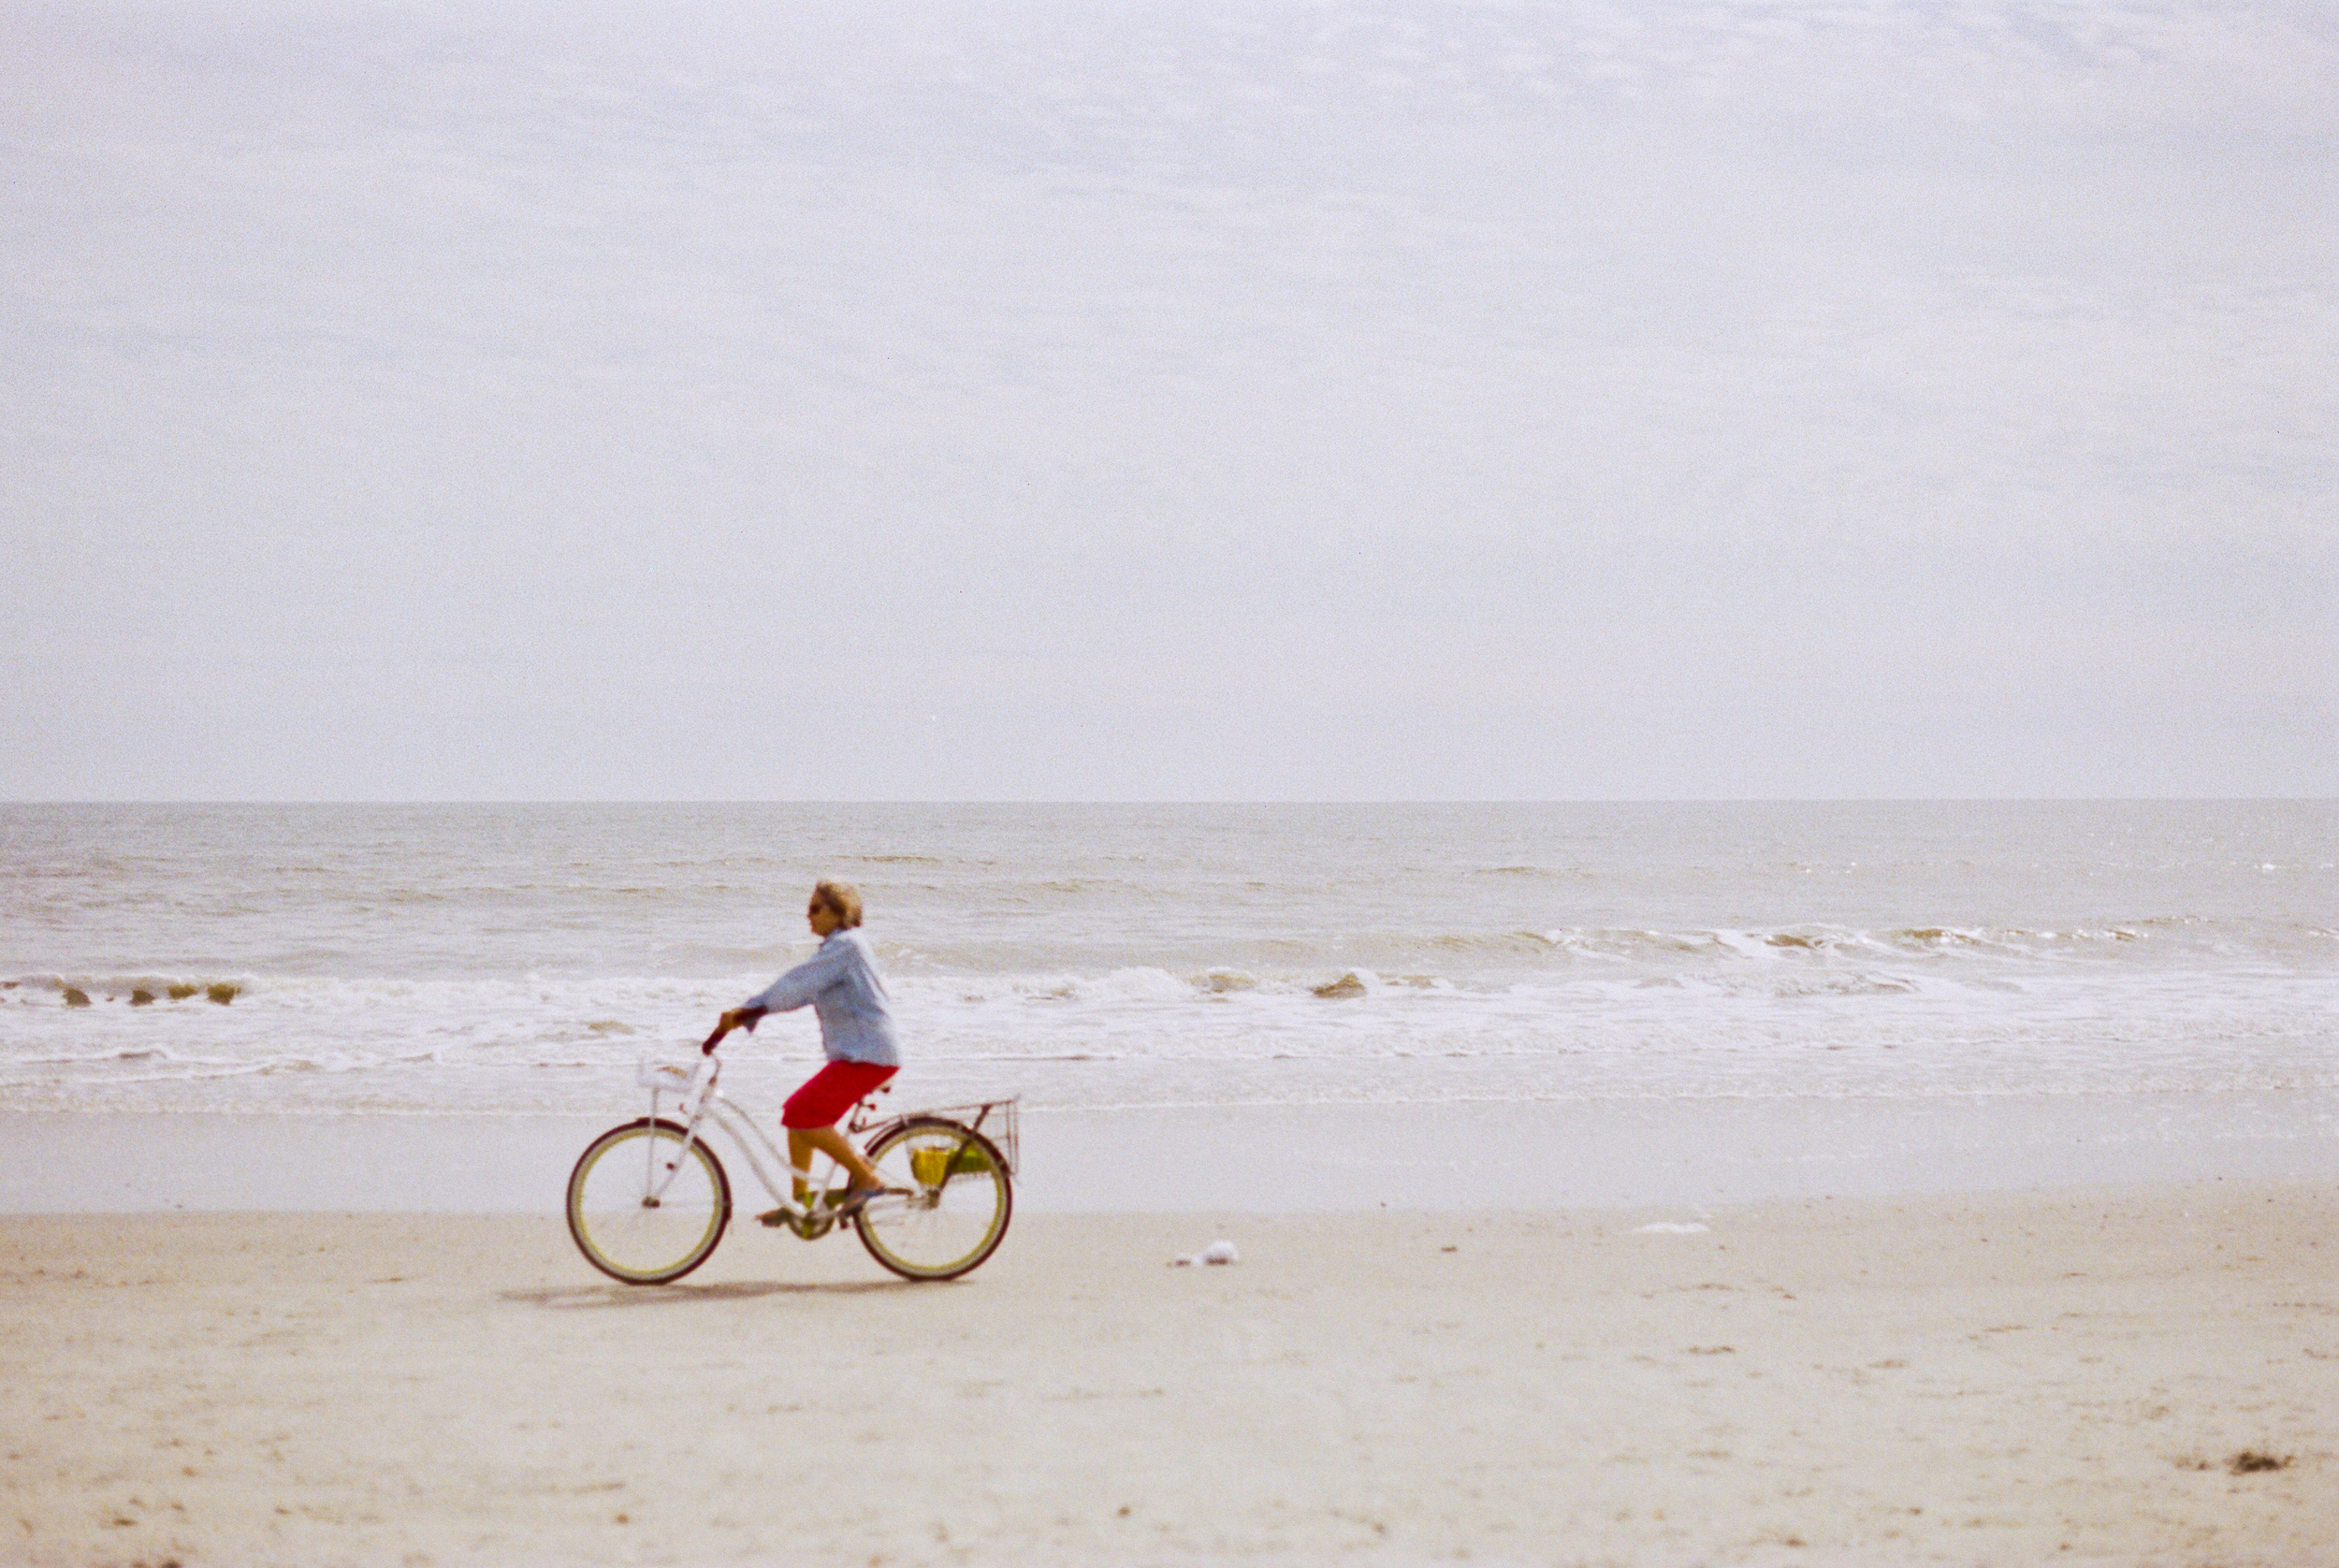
x=641, y=1208
x=951, y=1201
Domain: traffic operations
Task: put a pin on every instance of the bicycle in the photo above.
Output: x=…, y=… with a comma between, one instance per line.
x=649, y=1199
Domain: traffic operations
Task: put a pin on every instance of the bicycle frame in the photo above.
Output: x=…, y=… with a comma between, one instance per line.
x=698, y=1101
x=909, y=1223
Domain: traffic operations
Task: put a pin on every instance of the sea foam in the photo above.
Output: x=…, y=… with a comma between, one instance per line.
x=432, y=959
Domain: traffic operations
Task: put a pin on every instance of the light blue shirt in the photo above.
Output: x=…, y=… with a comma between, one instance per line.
x=842, y=984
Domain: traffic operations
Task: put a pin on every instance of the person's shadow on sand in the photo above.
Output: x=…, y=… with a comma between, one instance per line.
x=571, y=1297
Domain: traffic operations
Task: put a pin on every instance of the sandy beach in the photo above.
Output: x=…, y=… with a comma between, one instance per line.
x=2002, y=1379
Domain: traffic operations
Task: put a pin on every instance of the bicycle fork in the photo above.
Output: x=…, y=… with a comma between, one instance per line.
x=654, y=1184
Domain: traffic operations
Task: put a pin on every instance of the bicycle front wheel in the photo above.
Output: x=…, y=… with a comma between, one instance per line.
x=949, y=1203
x=648, y=1203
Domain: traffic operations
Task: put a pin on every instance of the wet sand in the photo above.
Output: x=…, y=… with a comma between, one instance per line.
x=2001, y=1379
x=1327, y=1157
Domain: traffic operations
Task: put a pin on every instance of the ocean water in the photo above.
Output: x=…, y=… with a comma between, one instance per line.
x=443, y=959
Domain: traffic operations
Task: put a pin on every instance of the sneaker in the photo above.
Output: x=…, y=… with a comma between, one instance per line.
x=854, y=1201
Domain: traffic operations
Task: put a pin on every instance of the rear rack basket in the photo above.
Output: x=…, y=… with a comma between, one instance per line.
x=995, y=1119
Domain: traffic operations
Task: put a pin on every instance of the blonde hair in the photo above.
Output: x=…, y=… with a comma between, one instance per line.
x=842, y=899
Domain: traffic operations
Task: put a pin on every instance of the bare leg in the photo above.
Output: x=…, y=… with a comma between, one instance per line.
x=803, y=1141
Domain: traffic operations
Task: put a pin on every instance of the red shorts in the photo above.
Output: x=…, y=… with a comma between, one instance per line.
x=828, y=1094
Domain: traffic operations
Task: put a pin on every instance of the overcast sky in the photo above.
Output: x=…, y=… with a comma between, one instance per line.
x=1195, y=400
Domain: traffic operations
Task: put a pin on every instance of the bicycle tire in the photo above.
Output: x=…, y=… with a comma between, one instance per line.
x=628, y=1238
x=944, y=1229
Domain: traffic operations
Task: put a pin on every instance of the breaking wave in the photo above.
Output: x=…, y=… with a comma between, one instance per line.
x=435, y=959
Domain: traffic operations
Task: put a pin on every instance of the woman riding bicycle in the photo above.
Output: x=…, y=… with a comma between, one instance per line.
x=842, y=985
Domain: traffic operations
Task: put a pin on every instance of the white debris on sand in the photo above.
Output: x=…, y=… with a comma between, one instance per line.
x=1218, y=1253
